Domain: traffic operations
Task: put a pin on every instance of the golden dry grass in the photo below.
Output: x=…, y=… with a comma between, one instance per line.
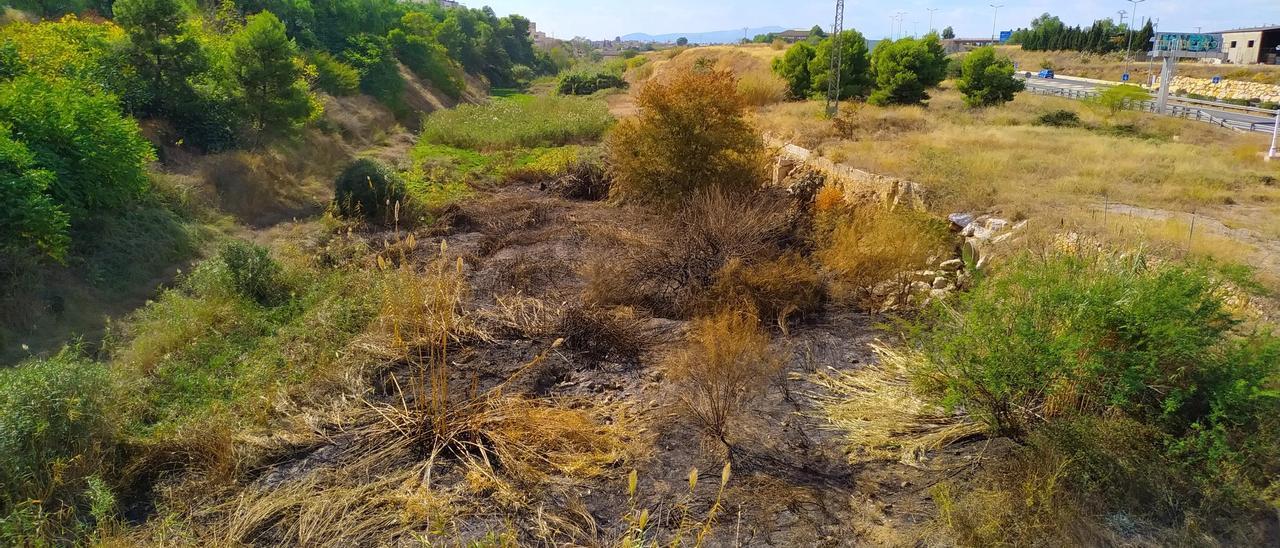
x=999, y=160
x=882, y=416
x=863, y=247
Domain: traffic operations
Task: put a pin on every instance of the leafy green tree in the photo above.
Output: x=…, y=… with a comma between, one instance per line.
x=298, y=16
x=793, y=68
x=855, y=65
x=905, y=68
x=948, y=33
x=165, y=56
x=986, y=79
x=682, y=41
x=98, y=155
x=10, y=62
x=379, y=75
x=816, y=33
x=29, y=218
x=333, y=76
x=274, y=97
x=429, y=60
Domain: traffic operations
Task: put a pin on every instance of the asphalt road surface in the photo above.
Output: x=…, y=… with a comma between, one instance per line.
x=1231, y=118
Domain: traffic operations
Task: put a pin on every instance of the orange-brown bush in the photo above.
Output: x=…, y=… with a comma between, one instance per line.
x=724, y=365
x=691, y=134
x=864, y=246
x=776, y=288
x=670, y=273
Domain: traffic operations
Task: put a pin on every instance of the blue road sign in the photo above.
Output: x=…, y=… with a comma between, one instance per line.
x=1125, y=78
x=1217, y=79
x=1005, y=35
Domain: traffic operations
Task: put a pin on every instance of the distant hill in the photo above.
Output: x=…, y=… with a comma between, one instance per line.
x=713, y=37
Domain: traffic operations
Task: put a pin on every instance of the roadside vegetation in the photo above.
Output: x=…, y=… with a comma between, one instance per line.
x=533, y=324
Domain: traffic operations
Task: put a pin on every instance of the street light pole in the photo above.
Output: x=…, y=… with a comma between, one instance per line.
x=931, y=10
x=995, y=11
x=1275, y=133
x=1133, y=17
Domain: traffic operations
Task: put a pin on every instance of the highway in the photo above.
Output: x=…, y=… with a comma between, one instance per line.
x=1066, y=86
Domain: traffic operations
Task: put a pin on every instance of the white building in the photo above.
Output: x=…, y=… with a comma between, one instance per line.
x=1252, y=46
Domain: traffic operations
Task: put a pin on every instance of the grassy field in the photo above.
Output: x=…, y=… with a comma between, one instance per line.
x=1002, y=160
x=517, y=121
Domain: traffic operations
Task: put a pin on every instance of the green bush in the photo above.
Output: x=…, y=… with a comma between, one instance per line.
x=793, y=68
x=379, y=74
x=904, y=68
x=986, y=79
x=56, y=425
x=32, y=221
x=1059, y=118
x=521, y=121
x=333, y=76
x=429, y=60
x=252, y=272
x=1048, y=339
x=97, y=155
x=1117, y=98
x=588, y=82
x=369, y=189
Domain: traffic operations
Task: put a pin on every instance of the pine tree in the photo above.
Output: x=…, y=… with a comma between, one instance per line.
x=275, y=97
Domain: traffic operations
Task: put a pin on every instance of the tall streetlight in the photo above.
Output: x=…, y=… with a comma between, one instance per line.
x=995, y=11
x=1273, y=154
x=931, y=10
x=915, y=29
x=1122, y=14
x=1129, y=44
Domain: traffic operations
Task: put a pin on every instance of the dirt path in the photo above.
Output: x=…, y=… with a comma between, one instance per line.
x=1268, y=249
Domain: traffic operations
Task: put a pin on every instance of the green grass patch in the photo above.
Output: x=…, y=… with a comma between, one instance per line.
x=519, y=122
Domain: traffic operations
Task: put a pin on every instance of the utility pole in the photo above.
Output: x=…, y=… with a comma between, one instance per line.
x=1129, y=44
x=995, y=12
x=915, y=29
x=1122, y=14
x=931, y=10
x=833, y=77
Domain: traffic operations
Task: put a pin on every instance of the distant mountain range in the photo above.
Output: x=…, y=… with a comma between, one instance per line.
x=713, y=37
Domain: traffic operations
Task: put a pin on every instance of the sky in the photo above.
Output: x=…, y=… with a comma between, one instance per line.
x=605, y=19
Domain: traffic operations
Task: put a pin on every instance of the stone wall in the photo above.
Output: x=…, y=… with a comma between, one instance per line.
x=1228, y=89
x=798, y=166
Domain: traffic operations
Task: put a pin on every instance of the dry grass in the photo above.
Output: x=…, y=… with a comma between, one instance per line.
x=997, y=160
x=866, y=246
x=883, y=417
x=759, y=89
x=777, y=289
x=668, y=274
x=617, y=333
x=724, y=365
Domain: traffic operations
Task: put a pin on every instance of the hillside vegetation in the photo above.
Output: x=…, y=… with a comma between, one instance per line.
x=606, y=310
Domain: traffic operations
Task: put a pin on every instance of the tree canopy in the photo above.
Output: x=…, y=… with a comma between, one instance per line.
x=987, y=79
x=904, y=68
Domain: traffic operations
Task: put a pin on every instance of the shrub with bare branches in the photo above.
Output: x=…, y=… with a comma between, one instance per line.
x=724, y=365
x=669, y=274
